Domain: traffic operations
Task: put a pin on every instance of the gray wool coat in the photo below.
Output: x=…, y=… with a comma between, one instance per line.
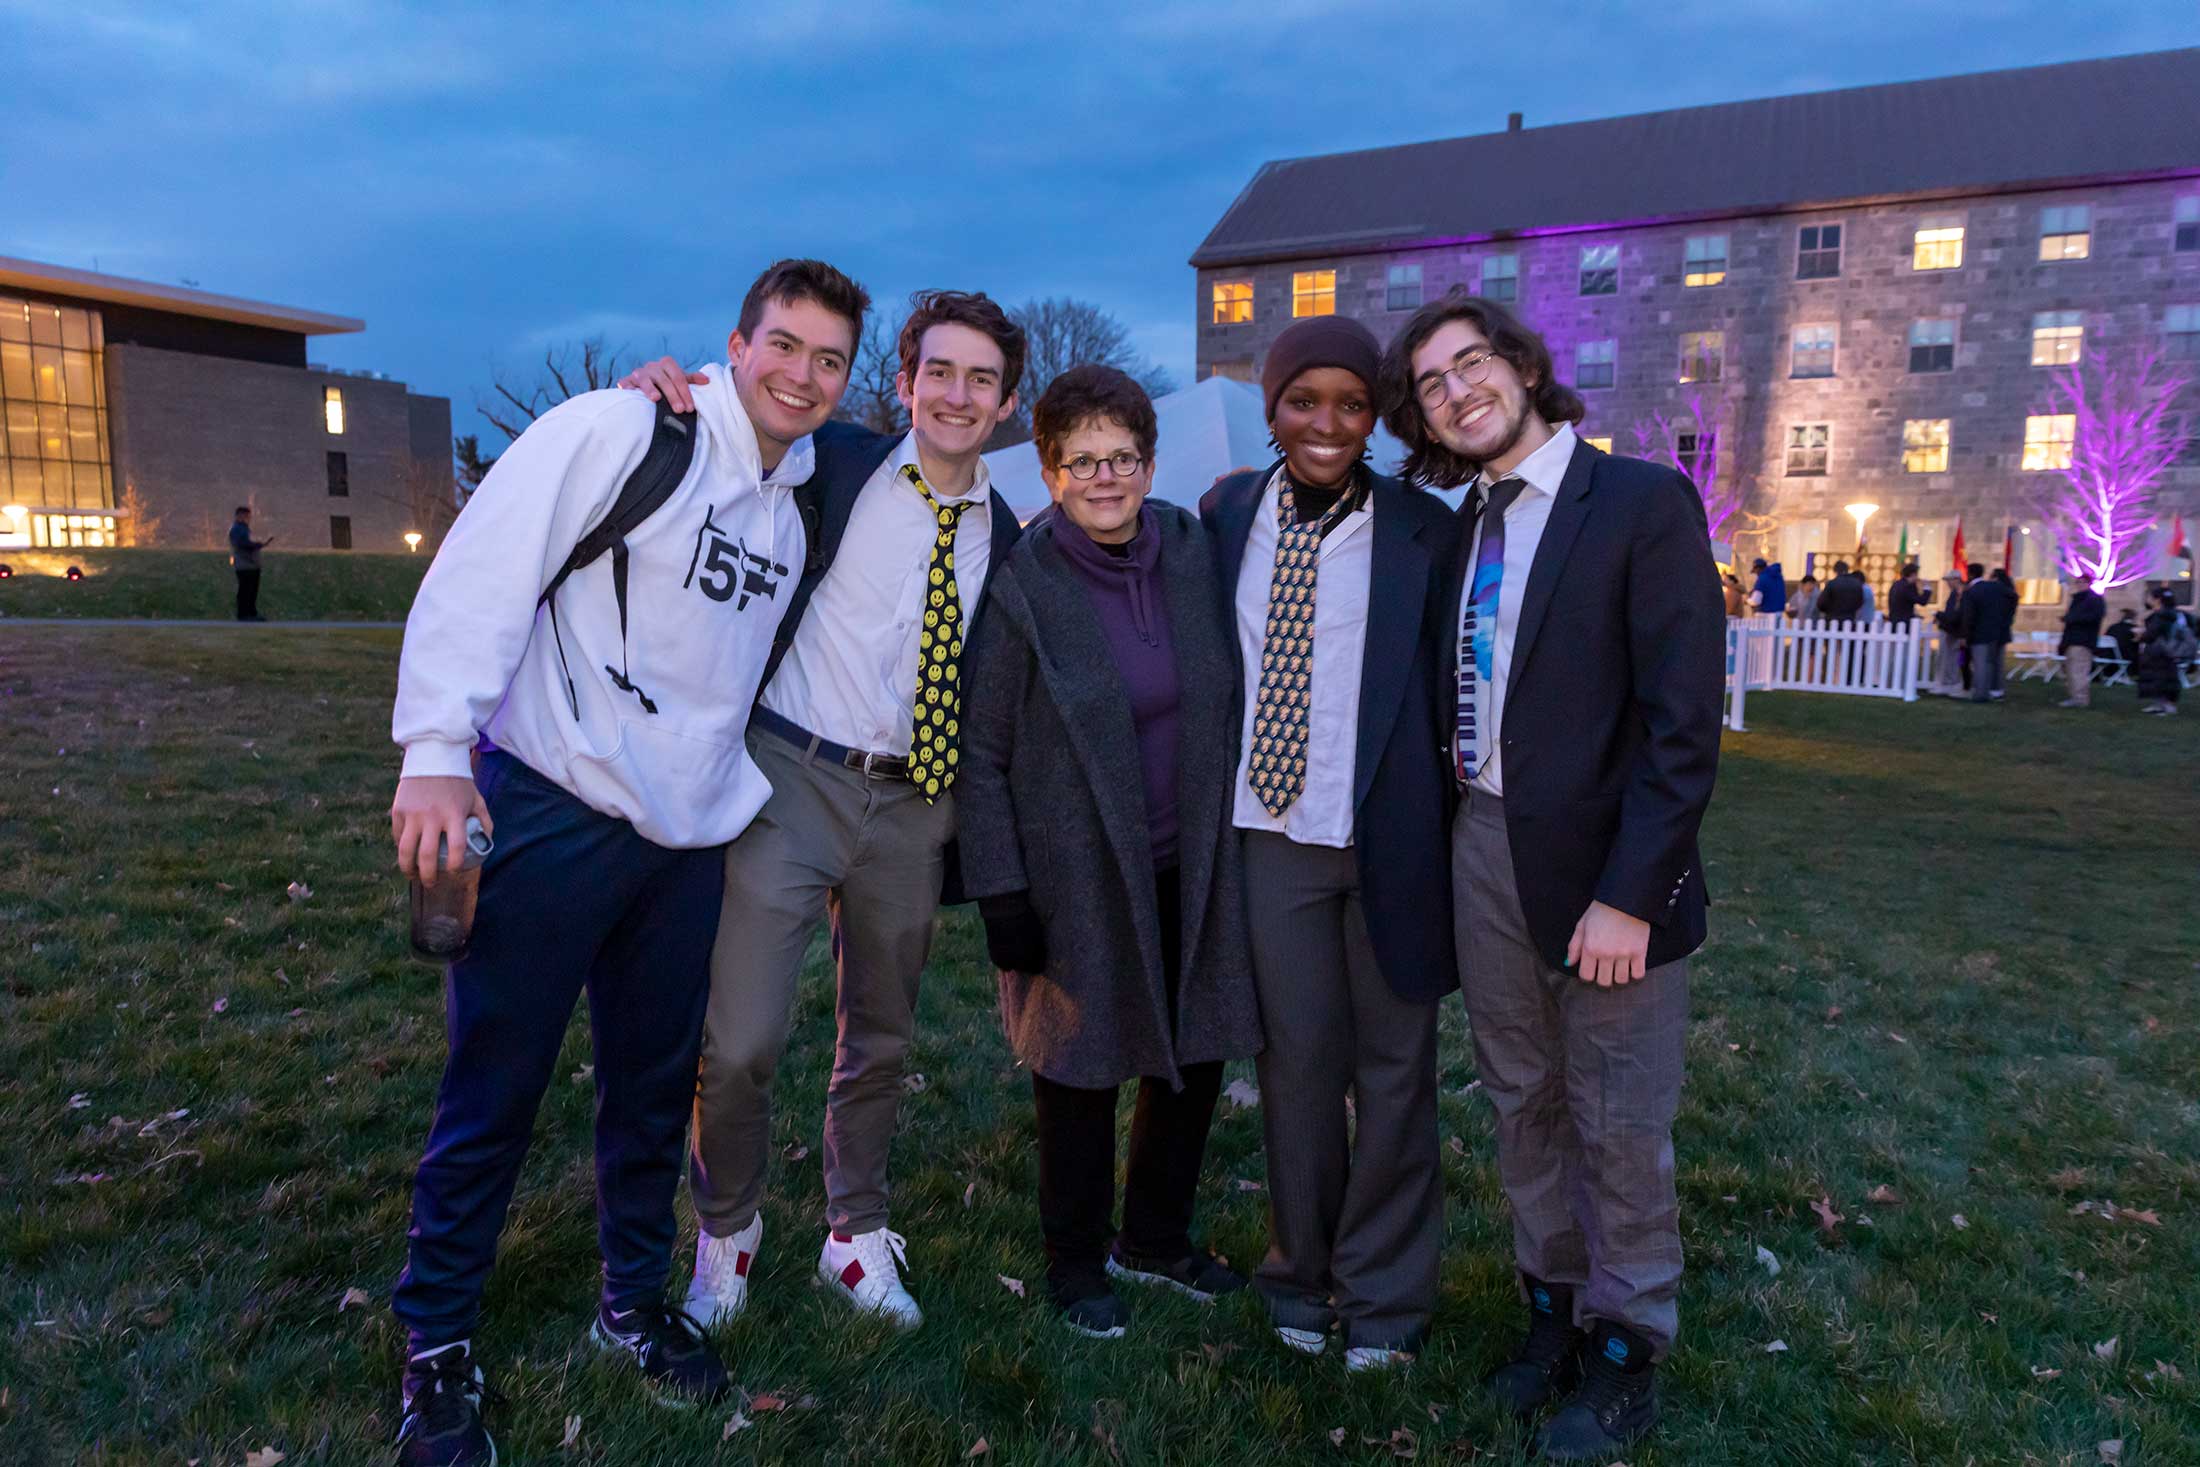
x=1049, y=799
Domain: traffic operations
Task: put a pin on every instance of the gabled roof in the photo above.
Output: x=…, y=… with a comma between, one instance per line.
x=2042, y=126
x=30, y=275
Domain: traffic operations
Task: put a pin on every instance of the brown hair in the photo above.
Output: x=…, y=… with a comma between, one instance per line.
x=788, y=281
x=972, y=308
x=1428, y=461
x=1084, y=393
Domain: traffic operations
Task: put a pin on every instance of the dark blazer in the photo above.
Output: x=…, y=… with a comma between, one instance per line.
x=1050, y=799
x=1989, y=611
x=1610, y=732
x=1401, y=779
x=2082, y=622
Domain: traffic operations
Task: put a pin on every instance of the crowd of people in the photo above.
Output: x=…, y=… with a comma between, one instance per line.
x=1267, y=780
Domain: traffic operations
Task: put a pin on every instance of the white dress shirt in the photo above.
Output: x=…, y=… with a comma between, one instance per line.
x=1322, y=814
x=1541, y=472
x=851, y=675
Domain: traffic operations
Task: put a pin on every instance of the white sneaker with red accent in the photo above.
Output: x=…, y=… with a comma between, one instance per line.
x=720, y=1289
x=863, y=1270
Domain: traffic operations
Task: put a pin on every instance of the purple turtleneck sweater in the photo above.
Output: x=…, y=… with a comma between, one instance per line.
x=1124, y=582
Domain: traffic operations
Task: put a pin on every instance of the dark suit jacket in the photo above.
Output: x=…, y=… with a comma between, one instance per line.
x=1989, y=611
x=1401, y=785
x=1610, y=731
x=847, y=456
x=2082, y=622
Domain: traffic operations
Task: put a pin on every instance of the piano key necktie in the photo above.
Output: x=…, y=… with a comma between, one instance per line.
x=1276, y=761
x=1478, y=625
x=935, y=725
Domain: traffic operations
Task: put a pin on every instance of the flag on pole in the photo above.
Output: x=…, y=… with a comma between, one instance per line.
x=2009, y=550
x=1955, y=551
x=2178, y=549
x=1902, y=550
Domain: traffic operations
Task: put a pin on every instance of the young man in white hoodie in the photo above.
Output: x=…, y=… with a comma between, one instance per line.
x=599, y=734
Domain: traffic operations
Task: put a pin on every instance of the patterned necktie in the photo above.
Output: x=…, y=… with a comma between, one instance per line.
x=936, y=720
x=1276, y=762
x=1478, y=623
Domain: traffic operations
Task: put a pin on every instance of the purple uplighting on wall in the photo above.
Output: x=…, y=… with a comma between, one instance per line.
x=2127, y=434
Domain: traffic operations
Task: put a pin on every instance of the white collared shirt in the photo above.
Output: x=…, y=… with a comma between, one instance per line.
x=851, y=675
x=1541, y=472
x=1322, y=814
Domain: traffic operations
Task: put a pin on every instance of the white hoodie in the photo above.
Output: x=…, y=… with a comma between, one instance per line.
x=708, y=577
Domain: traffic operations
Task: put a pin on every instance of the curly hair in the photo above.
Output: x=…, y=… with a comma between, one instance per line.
x=1089, y=393
x=1428, y=461
x=974, y=309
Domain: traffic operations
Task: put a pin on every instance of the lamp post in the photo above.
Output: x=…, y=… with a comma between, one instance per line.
x=412, y=541
x=1860, y=512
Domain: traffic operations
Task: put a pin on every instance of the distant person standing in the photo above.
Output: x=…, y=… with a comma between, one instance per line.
x=1768, y=593
x=1737, y=604
x=1804, y=606
x=2167, y=644
x=2081, y=632
x=1904, y=597
x=1948, y=673
x=1843, y=596
x=1989, y=619
x=244, y=558
x=2125, y=634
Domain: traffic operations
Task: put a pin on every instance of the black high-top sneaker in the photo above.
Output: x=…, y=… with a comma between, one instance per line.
x=1549, y=1362
x=670, y=1350
x=1616, y=1405
x=439, y=1408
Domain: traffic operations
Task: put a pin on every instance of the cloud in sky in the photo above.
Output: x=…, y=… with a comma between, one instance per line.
x=478, y=180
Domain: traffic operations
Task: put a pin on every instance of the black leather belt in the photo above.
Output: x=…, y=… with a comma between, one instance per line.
x=865, y=763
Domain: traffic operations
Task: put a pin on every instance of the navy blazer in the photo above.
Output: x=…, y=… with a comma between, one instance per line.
x=1610, y=730
x=1401, y=782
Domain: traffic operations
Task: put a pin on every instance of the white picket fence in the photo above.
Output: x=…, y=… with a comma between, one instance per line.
x=1771, y=654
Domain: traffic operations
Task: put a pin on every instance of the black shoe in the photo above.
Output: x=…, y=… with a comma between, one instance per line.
x=439, y=1407
x=1089, y=1307
x=1198, y=1273
x=1616, y=1405
x=669, y=1348
x=1549, y=1362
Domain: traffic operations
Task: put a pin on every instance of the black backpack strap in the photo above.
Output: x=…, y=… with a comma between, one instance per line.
x=671, y=451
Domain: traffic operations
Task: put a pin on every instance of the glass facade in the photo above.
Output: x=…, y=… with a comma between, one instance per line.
x=53, y=408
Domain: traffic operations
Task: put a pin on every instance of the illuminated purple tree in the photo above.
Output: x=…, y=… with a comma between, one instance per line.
x=2128, y=431
x=1691, y=442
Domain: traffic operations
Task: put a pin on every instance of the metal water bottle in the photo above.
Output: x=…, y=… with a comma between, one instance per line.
x=443, y=914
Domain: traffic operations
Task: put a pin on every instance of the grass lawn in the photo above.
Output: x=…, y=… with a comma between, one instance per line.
x=197, y=585
x=1955, y=955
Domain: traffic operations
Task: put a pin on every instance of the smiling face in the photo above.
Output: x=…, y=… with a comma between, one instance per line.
x=1489, y=422
x=790, y=372
x=1104, y=507
x=954, y=399
x=1323, y=419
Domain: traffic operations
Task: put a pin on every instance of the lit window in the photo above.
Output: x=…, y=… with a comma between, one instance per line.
x=1233, y=300
x=1501, y=278
x=1811, y=354
x=1596, y=363
x=332, y=408
x=1237, y=371
x=2181, y=333
x=1402, y=291
x=2187, y=236
x=1925, y=446
x=2047, y=440
x=1314, y=293
x=2057, y=337
x=1600, y=269
x=2066, y=232
x=1932, y=346
x=1601, y=445
x=1704, y=261
x=1938, y=245
x=1818, y=252
x=53, y=411
x=1703, y=355
x=1808, y=445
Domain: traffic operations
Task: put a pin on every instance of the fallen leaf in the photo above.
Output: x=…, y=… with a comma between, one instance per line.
x=1014, y=1286
x=1733, y=1049
x=1436, y=1412
x=584, y=1074
x=768, y=1402
x=1242, y=1093
x=2042, y=1372
x=796, y=1151
x=1769, y=1259
x=2112, y=1451
x=1883, y=1194
x=970, y=1194
x=1833, y=1013
x=264, y=1457
x=2106, y=1349
x=1456, y=1146
x=299, y=891
x=2145, y=1215
x=2163, y=1370
x=914, y=1084
x=1989, y=1316
x=221, y=1005
x=1336, y=1437
x=978, y=1448
x=572, y=1423
x=351, y=1297
x=735, y=1422
x=1246, y=1185
x=806, y=1403
x=1828, y=1219
x=2069, y=1179
x=1777, y=1347
x=2152, y=1023
x=223, y=886
x=1896, y=1037
x=1961, y=1222
x=82, y=1100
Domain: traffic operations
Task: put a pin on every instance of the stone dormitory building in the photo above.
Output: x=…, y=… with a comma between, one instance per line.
x=1866, y=289
x=139, y=413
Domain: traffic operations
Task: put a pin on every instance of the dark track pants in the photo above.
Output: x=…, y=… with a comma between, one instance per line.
x=248, y=594
x=571, y=899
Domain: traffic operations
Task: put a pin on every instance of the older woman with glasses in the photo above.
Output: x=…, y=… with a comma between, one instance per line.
x=1093, y=812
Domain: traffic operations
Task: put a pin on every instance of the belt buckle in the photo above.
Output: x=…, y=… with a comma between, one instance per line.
x=869, y=766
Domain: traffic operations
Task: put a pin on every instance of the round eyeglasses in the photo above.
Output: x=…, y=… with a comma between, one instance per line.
x=1471, y=368
x=1085, y=466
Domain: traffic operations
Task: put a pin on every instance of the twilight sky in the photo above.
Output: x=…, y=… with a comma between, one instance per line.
x=477, y=181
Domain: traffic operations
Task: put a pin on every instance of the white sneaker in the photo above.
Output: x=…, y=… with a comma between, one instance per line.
x=863, y=1270
x=1371, y=1357
x=1305, y=1341
x=720, y=1289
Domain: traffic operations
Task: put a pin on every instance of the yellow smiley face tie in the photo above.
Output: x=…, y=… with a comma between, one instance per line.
x=936, y=715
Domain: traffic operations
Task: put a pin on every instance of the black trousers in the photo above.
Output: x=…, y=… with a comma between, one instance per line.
x=248, y=594
x=1168, y=1142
